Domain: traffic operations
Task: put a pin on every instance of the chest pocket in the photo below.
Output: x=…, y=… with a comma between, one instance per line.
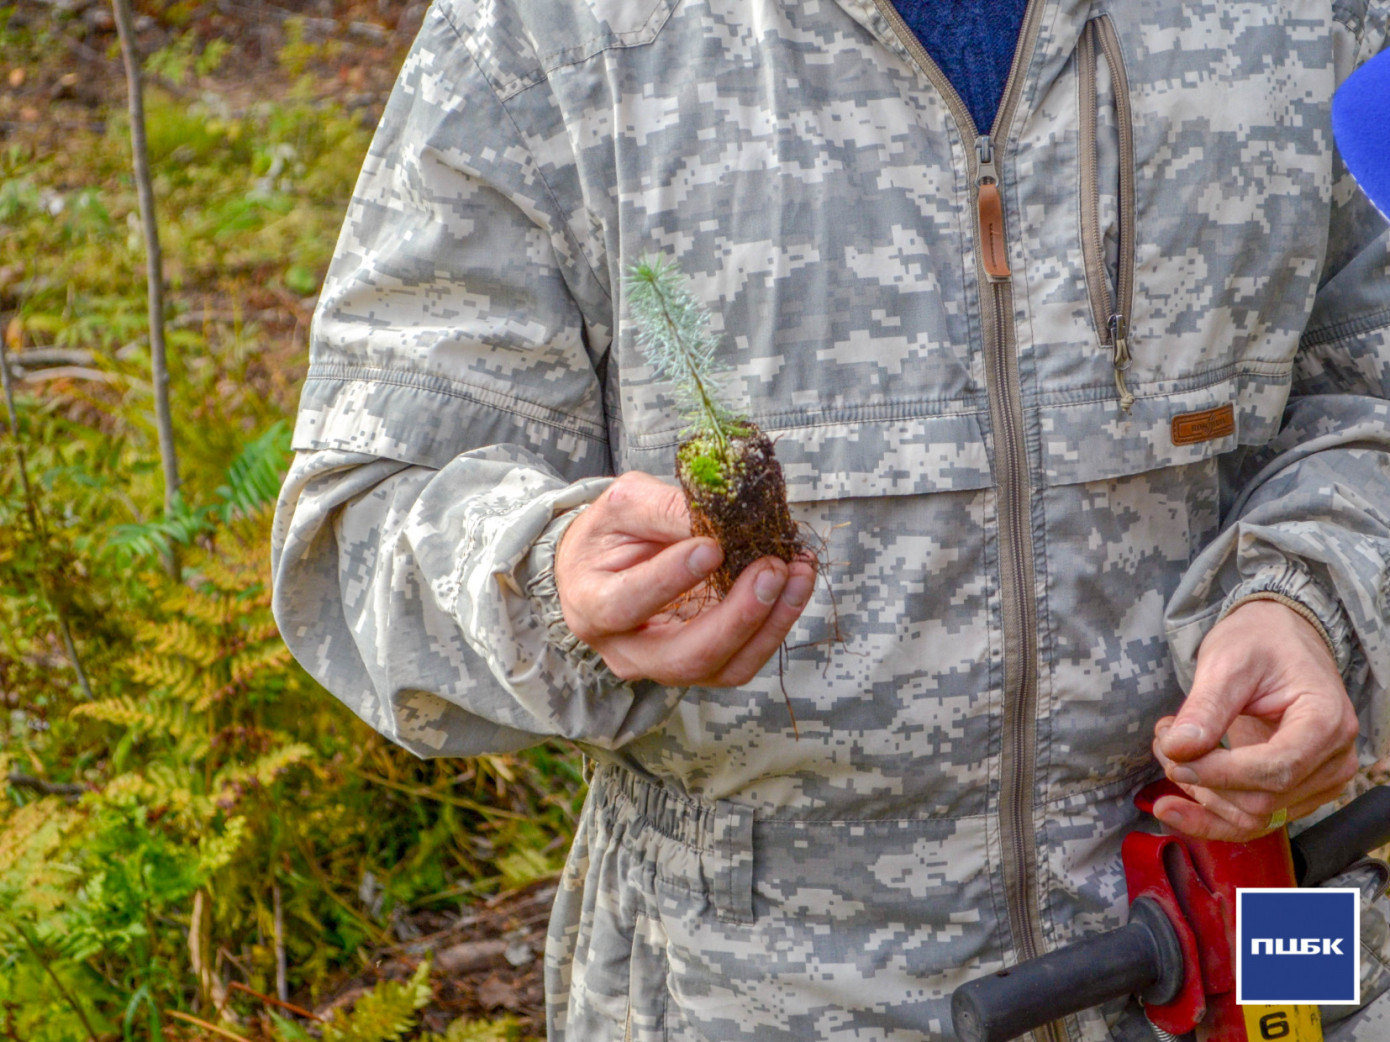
x=1178, y=342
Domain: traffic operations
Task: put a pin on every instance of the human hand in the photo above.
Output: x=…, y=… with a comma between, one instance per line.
x=630, y=554
x=1266, y=680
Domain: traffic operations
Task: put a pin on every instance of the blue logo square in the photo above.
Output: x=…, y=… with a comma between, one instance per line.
x=1298, y=946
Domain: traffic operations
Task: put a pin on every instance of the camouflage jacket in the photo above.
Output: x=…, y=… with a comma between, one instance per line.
x=1056, y=396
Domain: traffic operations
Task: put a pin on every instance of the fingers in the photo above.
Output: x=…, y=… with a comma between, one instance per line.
x=1193, y=819
x=1295, y=755
x=1201, y=821
x=1266, y=681
x=725, y=645
x=1259, y=660
x=745, y=663
x=600, y=603
x=1213, y=705
x=1194, y=732
x=627, y=556
x=1249, y=810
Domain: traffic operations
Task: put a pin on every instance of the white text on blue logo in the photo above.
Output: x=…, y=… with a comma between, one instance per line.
x=1296, y=946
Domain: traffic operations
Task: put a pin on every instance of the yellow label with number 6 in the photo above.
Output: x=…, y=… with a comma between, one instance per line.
x=1282, y=1023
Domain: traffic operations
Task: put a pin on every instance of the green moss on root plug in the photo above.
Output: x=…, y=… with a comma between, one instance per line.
x=706, y=471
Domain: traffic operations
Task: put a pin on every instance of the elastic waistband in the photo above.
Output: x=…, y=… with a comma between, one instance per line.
x=720, y=833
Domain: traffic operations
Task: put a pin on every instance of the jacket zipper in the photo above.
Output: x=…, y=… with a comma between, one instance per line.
x=1111, y=314
x=1017, y=591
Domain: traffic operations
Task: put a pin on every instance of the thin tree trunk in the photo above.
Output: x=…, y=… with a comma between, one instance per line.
x=282, y=985
x=46, y=788
x=154, y=264
x=40, y=531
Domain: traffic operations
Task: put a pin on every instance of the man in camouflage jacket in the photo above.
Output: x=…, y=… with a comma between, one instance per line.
x=1064, y=398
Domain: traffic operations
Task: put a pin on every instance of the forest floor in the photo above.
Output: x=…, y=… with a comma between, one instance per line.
x=61, y=79
x=487, y=961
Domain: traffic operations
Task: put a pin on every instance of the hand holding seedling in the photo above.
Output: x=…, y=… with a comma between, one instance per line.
x=628, y=556
x=734, y=489
x=1266, y=680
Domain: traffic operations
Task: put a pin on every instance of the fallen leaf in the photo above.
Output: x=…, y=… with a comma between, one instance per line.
x=495, y=992
x=469, y=957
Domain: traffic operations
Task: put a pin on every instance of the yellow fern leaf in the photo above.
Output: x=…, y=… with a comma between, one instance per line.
x=257, y=659
x=216, y=852
x=266, y=768
x=178, y=637
x=385, y=1013
x=159, y=718
x=163, y=790
x=195, y=604
x=169, y=674
x=18, y=830
x=262, y=630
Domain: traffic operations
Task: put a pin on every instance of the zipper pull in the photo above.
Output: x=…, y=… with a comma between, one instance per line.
x=994, y=248
x=1120, y=359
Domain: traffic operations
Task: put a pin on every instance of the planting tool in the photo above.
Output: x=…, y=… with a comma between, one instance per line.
x=1178, y=951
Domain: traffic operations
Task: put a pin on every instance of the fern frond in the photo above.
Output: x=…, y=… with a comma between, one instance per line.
x=233, y=576
x=163, y=719
x=180, y=637
x=148, y=539
x=255, y=476
x=504, y=1029
x=162, y=787
x=218, y=851
x=386, y=1013
x=266, y=768
x=259, y=632
x=34, y=830
x=183, y=680
x=264, y=657
x=195, y=605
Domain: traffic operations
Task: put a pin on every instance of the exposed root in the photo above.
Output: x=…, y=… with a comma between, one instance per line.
x=737, y=496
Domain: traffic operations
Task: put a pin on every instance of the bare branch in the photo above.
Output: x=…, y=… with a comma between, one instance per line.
x=47, y=788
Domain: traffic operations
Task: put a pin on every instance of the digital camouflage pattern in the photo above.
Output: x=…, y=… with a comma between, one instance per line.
x=957, y=798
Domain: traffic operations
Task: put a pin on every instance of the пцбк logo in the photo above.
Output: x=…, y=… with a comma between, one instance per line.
x=1298, y=946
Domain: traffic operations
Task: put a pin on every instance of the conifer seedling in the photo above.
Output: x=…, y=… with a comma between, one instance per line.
x=733, y=483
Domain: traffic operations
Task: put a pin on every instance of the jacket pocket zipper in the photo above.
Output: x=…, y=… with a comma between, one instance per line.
x=1111, y=311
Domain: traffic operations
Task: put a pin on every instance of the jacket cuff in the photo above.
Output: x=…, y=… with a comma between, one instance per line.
x=545, y=595
x=1296, y=589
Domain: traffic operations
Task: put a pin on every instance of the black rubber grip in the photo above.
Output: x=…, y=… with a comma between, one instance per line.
x=1142, y=956
x=1325, y=849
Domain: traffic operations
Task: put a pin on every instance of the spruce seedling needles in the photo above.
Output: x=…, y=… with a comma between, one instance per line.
x=673, y=332
x=732, y=482
x=734, y=486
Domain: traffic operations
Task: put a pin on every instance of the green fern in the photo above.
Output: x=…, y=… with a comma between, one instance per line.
x=386, y=1013
x=255, y=476
x=252, y=482
x=504, y=1029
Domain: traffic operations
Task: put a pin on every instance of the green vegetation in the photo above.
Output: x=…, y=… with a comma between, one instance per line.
x=707, y=470
x=191, y=809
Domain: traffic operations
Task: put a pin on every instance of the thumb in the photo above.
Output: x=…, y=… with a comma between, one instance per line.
x=1222, y=685
x=645, y=507
x=1210, y=709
